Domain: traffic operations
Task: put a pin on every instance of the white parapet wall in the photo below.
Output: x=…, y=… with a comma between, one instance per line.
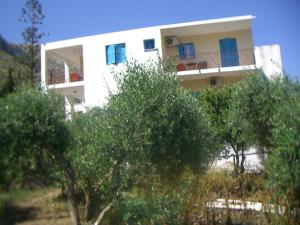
x=268, y=58
x=254, y=161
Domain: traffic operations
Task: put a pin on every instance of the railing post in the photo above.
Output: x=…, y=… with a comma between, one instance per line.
x=218, y=60
x=67, y=72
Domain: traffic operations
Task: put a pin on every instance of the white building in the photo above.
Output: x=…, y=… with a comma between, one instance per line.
x=212, y=52
x=208, y=53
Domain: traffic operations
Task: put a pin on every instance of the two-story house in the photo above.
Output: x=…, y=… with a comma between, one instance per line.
x=207, y=53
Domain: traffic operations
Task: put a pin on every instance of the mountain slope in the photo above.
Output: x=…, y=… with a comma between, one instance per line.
x=8, y=62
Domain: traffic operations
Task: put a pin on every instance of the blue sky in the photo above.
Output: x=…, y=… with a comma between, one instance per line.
x=277, y=21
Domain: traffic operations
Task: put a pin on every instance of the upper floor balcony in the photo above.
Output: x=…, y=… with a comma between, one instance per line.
x=214, y=48
x=214, y=61
x=64, y=66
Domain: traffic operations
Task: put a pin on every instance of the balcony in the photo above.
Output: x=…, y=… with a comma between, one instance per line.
x=209, y=62
x=64, y=66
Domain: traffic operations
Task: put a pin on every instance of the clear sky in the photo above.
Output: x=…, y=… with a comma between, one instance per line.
x=277, y=21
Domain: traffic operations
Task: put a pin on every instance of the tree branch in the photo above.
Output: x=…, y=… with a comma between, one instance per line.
x=103, y=214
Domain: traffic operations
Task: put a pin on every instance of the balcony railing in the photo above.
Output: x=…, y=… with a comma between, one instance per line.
x=242, y=57
x=57, y=76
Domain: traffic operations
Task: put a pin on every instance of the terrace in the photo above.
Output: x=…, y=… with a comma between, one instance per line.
x=64, y=65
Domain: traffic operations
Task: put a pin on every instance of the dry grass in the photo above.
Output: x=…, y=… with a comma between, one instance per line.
x=38, y=208
x=228, y=186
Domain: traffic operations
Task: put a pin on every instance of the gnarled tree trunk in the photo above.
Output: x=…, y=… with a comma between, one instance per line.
x=69, y=185
x=88, y=192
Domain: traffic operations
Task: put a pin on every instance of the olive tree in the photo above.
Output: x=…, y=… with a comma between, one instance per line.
x=150, y=122
x=283, y=168
x=255, y=100
x=220, y=108
x=268, y=112
x=96, y=161
x=33, y=123
x=157, y=120
x=157, y=123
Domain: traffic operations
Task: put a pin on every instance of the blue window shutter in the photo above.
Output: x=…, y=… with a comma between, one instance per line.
x=229, y=52
x=181, y=51
x=110, y=54
x=120, y=53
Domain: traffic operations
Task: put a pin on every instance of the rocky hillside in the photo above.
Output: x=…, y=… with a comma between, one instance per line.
x=9, y=54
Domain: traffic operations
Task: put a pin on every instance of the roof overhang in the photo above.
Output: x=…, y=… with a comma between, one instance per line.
x=208, y=26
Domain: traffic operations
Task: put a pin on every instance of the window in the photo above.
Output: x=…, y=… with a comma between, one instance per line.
x=149, y=45
x=186, y=51
x=115, y=53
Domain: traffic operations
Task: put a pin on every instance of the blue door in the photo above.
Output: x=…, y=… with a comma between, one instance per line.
x=229, y=52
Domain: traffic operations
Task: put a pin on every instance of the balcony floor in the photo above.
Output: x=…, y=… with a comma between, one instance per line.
x=213, y=72
x=66, y=85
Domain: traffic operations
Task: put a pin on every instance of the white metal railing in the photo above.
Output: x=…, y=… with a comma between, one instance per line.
x=210, y=60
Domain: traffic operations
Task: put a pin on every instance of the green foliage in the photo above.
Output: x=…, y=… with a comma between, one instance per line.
x=9, y=85
x=268, y=111
x=151, y=122
x=220, y=106
x=88, y=152
x=255, y=100
x=153, y=210
x=32, y=124
x=159, y=122
x=153, y=201
x=100, y=168
x=217, y=104
x=35, y=114
x=283, y=167
x=11, y=71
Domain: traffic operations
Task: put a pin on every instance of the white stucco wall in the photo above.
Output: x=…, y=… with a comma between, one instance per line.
x=268, y=58
x=99, y=79
x=43, y=66
x=98, y=76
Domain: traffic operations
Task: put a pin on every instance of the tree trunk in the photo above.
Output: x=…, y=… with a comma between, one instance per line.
x=103, y=214
x=243, y=161
x=69, y=185
x=237, y=161
x=63, y=188
x=88, y=202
